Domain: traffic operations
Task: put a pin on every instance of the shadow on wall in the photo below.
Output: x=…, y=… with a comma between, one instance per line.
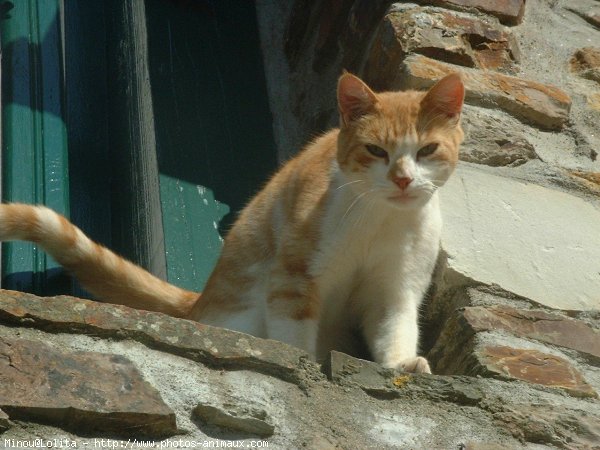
x=212, y=117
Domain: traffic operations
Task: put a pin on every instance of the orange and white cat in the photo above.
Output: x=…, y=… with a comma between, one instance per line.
x=343, y=238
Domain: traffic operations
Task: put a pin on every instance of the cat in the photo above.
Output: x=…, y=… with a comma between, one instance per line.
x=344, y=237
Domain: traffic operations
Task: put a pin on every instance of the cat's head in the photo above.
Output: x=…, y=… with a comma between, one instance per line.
x=399, y=146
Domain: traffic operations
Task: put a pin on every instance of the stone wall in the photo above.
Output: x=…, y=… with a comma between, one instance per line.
x=77, y=371
x=512, y=323
x=305, y=45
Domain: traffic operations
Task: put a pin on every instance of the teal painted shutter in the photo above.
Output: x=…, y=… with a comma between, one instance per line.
x=34, y=144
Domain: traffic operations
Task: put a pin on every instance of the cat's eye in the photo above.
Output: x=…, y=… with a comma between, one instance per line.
x=377, y=151
x=428, y=150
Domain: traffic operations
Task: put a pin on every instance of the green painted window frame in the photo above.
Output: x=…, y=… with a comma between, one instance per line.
x=88, y=129
x=34, y=142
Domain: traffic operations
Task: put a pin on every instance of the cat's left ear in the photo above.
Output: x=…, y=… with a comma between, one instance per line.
x=445, y=97
x=355, y=98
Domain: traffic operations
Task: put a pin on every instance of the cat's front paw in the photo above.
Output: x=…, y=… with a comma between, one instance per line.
x=417, y=364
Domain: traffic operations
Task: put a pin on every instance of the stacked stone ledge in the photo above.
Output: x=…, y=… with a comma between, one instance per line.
x=409, y=36
x=83, y=370
x=93, y=393
x=536, y=345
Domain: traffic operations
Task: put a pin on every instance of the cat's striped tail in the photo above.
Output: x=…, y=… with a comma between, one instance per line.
x=103, y=273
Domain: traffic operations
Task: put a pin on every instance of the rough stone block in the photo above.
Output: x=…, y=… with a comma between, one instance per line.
x=215, y=347
x=440, y=34
x=540, y=104
x=382, y=383
x=374, y=379
x=489, y=142
x=80, y=391
x=543, y=326
x=499, y=152
x=545, y=243
x=235, y=418
x=509, y=12
x=532, y=366
x=459, y=351
x=585, y=62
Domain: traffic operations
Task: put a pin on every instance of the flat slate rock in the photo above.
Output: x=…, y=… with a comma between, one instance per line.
x=492, y=142
x=540, y=104
x=78, y=391
x=213, y=346
x=540, y=325
x=235, y=417
x=532, y=366
x=463, y=347
x=545, y=243
x=385, y=384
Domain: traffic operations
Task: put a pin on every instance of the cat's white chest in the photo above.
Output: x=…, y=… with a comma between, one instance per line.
x=373, y=243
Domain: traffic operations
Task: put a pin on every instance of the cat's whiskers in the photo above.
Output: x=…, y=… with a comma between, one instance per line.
x=365, y=211
x=435, y=184
x=348, y=183
x=358, y=197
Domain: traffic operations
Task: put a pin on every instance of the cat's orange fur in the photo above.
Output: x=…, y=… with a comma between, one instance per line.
x=277, y=271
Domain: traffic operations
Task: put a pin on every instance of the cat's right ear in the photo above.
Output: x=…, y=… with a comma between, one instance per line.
x=445, y=97
x=355, y=98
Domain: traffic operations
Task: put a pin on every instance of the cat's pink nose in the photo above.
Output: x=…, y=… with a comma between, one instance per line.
x=401, y=182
